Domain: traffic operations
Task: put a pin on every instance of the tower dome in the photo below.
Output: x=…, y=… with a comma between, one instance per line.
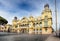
x=47, y=5
x=15, y=18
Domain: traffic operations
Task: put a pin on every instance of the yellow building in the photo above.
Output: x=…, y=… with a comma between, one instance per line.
x=2, y=28
x=31, y=25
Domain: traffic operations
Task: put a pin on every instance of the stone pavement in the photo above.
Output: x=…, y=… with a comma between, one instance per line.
x=6, y=33
x=52, y=38
x=22, y=37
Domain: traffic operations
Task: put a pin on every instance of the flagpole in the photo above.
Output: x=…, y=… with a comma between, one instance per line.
x=56, y=16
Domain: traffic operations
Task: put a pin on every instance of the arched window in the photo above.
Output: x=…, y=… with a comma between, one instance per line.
x=46, y=21
x=46, y=29
x=40, y=24
x=16, y=26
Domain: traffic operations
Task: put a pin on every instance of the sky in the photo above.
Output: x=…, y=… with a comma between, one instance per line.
x=25, y=8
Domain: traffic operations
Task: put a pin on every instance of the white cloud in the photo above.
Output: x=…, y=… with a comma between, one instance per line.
x=6, y=15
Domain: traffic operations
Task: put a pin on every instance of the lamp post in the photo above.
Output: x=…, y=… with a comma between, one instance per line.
x=56, y=16
x=59, y=31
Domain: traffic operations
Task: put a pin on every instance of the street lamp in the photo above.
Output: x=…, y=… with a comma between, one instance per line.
x=56, y=16
x=59, y=31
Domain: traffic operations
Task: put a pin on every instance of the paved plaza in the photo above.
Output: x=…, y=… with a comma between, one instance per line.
x=53, y=37
x=27, y=37
x=23, y=37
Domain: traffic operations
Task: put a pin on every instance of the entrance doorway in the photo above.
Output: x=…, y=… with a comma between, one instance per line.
x=23, y=30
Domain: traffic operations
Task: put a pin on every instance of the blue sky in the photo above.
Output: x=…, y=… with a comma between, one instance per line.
x=20, y=8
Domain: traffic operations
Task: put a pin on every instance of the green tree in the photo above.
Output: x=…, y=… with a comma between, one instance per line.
x=3, y=21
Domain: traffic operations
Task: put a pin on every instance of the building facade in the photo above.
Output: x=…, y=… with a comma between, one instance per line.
x=40, y=25
x=31, y=25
